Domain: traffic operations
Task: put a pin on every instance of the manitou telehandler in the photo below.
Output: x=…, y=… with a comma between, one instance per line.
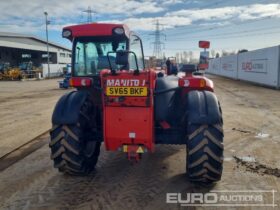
x=131, y=109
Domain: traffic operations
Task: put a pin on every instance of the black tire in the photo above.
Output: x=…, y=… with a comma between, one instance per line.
x=205, y=152
x=75, y=148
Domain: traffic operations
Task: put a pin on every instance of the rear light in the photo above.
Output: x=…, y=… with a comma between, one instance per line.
x=184, y=83
x=80, y=82
x=202, y=83
x=192, y=82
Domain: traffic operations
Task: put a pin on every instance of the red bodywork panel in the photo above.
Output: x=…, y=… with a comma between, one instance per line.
x=128, y=120
x=94, y=29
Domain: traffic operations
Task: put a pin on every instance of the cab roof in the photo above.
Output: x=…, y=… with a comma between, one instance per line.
x=94, y=29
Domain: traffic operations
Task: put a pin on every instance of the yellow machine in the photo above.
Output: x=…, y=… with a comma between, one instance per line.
x=8, y=73
x=25, y=70
x=14, y=74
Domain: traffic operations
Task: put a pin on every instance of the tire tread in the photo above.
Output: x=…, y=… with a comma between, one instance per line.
x=205, y=153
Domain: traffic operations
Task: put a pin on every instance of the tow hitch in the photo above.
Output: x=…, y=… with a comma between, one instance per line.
x=134, y=152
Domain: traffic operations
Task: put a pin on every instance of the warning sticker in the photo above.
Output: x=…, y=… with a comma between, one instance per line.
x=140, y=150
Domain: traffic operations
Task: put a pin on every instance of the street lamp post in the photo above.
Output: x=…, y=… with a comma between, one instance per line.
x=47, y=35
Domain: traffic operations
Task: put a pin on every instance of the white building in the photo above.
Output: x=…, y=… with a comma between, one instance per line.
x=18, y=48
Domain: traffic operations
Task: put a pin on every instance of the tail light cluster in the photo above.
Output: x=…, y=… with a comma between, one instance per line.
x=80, y=82
x=196, y=82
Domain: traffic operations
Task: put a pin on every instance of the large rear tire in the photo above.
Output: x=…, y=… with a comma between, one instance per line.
x=205, y=152
x=75, y=148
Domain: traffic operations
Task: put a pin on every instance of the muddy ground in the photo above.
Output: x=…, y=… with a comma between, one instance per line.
x=252, y=144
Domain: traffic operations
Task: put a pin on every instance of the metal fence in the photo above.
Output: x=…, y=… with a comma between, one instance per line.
x=56, y=70
x=259, y=66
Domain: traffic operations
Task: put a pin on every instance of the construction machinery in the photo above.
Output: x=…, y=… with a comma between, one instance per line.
x=26, y=66
x=130, y=108
x=3, y=70
x=4, y=66
x=29, y=70
x=9, y=73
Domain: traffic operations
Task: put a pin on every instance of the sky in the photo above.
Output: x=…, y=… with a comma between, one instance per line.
x=227, y=24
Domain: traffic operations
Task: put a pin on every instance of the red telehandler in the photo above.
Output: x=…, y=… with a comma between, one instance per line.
x=130, y=108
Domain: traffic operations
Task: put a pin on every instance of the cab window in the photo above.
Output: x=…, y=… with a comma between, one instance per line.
x=91, y=54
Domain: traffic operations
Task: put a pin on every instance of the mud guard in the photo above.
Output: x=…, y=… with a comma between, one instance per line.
x=203, y=108
x=68, y=107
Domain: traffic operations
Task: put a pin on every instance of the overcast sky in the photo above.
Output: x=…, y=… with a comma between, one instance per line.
x=228, y=24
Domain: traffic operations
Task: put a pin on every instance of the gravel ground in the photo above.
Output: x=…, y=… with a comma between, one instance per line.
x=25, y=110
x=252, y=144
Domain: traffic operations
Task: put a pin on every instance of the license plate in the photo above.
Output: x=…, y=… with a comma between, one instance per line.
x=126, y=91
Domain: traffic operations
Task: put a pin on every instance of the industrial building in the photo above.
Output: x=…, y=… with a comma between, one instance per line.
x=17, y=48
